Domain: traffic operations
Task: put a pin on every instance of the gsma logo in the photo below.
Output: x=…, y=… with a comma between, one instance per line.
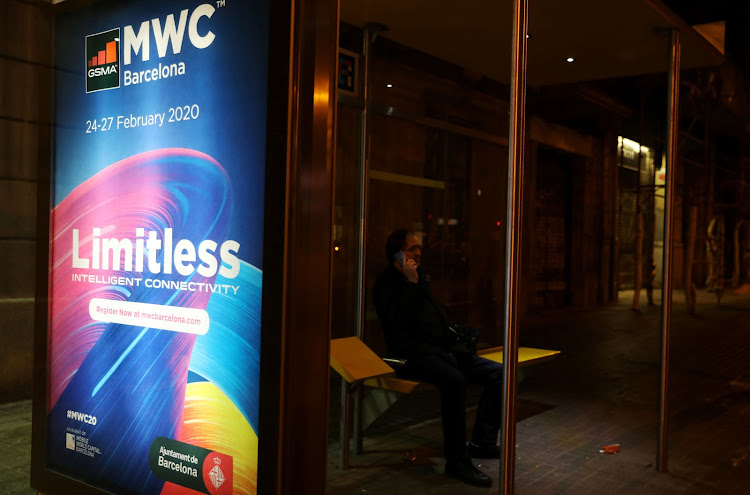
x=103, y=60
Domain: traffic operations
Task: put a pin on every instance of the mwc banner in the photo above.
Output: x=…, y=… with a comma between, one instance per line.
x=156, y=245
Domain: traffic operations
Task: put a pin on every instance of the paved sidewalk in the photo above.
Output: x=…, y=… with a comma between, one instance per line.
x=15, y=448
x=603, y=389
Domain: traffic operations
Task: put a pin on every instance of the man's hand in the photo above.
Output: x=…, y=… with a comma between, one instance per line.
x=410, y=270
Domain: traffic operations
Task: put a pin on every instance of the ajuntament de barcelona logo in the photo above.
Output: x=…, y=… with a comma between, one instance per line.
x=103, y=60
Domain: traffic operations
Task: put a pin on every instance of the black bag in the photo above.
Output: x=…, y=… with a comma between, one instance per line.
x=468, y=336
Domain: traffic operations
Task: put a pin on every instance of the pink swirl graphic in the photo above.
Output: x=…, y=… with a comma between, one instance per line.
x=179, y=189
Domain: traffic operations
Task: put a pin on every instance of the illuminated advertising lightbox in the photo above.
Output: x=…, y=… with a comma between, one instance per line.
x=156, y=240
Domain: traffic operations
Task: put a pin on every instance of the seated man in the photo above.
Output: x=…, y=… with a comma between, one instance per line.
x=416, y=329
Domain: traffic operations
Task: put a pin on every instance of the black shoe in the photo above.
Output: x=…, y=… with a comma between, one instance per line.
x=464, y=470
x=483, y=452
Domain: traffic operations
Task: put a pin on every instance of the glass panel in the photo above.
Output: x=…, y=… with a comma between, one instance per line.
x=437, y=165
x=593, y=217
x=345, y=223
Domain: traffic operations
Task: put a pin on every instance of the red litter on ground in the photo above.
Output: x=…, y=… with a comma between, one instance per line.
x=610, y=449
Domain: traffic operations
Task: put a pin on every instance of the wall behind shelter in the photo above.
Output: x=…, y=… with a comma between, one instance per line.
x=438, y=166
x=24, y=37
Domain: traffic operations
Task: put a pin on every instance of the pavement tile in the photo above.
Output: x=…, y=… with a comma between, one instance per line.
x=567, y=436
x=15, y=461
x=21, y=483
x=23, y=491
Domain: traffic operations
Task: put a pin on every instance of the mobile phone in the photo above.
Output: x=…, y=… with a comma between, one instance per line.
x=400, y=258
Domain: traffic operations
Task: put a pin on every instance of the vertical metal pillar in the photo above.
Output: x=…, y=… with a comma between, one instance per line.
x=364, y=163
x=516, y=148
x=672, y=128
x=345, y=425
x=370, y=32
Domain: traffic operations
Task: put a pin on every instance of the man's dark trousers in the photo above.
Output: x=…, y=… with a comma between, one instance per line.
x=451, y=373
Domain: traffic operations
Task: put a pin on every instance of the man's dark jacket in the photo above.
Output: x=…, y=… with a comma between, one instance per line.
x=413, y=321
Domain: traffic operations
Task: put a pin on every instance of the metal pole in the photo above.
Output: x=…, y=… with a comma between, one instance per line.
x=364, y=162
x=516, y=147
x=345, y=424
x=672, y=128
x=370, y=33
